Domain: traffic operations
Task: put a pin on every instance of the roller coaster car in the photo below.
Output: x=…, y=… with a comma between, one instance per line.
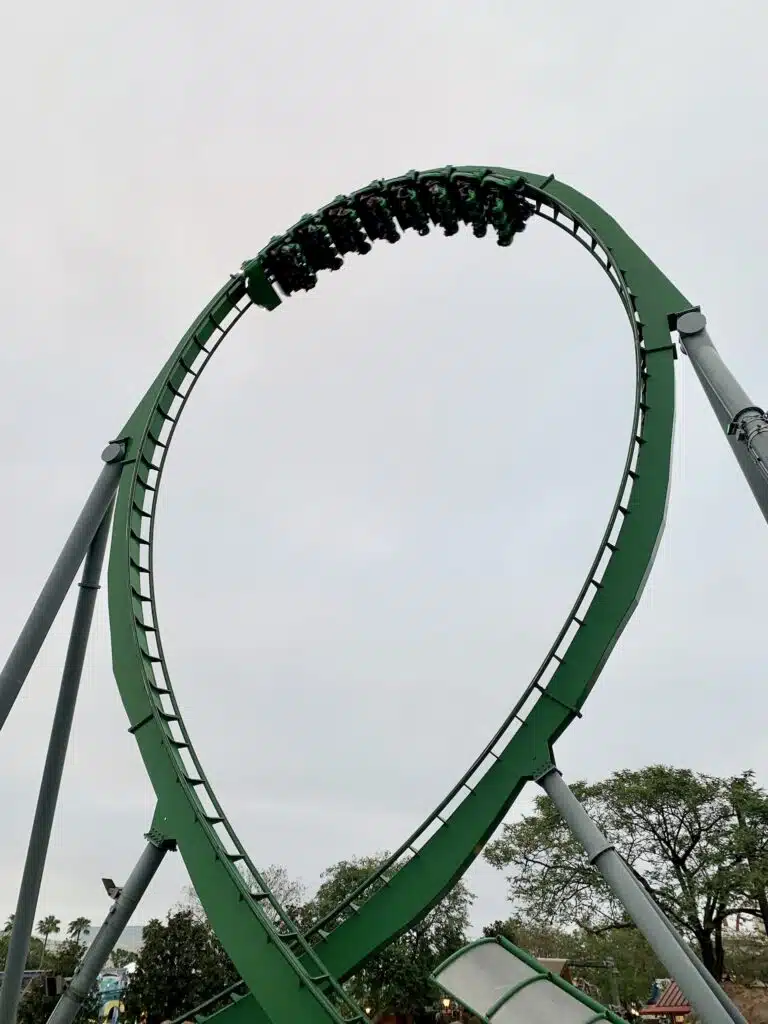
x=315, y=239
x=285, y=260
x=505, y=208
x=470, y=203
x=344, y=227
x=440, y=201
x=374, y=213
x=407, y=202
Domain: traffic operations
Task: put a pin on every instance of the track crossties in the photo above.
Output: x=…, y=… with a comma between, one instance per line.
x=289, y=975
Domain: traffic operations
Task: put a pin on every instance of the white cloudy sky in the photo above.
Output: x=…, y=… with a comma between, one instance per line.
x=386, y=494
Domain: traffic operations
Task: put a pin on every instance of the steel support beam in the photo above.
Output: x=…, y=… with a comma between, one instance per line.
x=711, y=1004
x=56, y=588
x=744, y=423
x=730, y=1007
x=107, y=936
x=50, y=784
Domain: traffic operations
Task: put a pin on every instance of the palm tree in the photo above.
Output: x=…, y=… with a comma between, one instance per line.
x=47, y=926
x=76, y=928
x=8, y=926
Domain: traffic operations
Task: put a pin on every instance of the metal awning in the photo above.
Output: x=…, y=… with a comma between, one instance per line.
x=502, y=984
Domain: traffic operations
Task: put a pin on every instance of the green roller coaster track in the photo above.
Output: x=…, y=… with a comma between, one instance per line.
x=288, y=976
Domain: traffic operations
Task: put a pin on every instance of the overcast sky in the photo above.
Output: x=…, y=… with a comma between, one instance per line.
x=384, y=496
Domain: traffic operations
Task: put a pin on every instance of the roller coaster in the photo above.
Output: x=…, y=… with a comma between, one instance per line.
x=288, y=975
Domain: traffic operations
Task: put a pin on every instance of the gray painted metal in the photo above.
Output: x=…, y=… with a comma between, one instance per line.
x=50, y=784
x=666, y=945
x=114, y=924
x=744, y=423
x=730, y=1007
x=41, y=618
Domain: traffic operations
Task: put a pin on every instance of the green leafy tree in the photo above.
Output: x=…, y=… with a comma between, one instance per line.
x=746, y=954
x=181, y=964
x=291, y=893
x=541, y=940
x=47, y=926
x=396, y=980
x=122, y=957
x=37, y=1005
x=750, y=810
x=76, y=928
x=680, y=833
x=8, y=926
x=33, y=956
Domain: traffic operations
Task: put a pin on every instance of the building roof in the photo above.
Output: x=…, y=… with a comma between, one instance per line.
x=671, y=1001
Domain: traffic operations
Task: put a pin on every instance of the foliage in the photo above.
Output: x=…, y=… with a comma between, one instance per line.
x=47, y=927
x=76, y=928
x=33, y=956
x=181, y=964
x=746, y=956
x=541, y=940
x=697, y=843
x=750, y=839
x=396, y=980
x=290, y=892
x=36, y=1006
x=122, y=957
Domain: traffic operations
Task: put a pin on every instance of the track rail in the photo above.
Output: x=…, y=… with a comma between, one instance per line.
x=292, y=976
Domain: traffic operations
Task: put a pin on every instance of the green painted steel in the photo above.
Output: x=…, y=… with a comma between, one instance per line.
x=288, y=976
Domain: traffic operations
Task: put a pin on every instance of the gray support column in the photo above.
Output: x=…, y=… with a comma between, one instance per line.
x=744, y=423
x=42, y=616
x=646, y=916
x=29, y=890
x=730, y=1007
x=118, y=917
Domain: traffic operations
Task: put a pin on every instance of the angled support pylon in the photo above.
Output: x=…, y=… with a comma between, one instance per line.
x=114, y=925
x=744, y=424
x=708, y=999
x=41, y=618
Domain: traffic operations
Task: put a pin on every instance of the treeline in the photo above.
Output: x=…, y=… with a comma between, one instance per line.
x=698, y=843
x=182, y=963
x=58, y=952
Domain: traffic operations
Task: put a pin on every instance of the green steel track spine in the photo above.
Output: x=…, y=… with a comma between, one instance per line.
x=291, y=976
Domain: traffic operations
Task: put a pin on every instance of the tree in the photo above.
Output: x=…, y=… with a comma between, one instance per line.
x=541, y=940
x=680, y=833
x=181, y=964
x=746, y=954
x=8, y=926
x=76, y=928
x=750, y=809
x=37, y=1005
x=396, y=979
x=122, y=957
x=291, y=893
x=33, y=956
x=47, y=926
